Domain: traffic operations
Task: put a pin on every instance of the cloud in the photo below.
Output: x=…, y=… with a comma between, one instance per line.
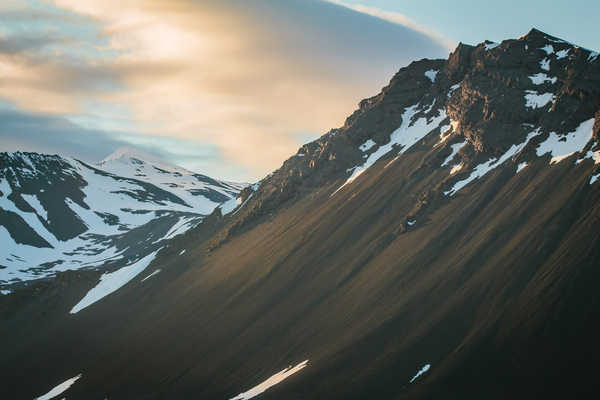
x=51, y=84
x=401, y=19
x=24, y=131
x=25, y=43
x=249, y=77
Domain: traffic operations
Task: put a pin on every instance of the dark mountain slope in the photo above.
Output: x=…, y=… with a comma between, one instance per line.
x=492, y=283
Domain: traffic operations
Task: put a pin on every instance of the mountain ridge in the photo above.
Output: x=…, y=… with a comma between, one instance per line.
x=58, y=213
x=412, y=85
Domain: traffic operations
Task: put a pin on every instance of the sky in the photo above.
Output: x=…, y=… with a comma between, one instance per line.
x=228, y=88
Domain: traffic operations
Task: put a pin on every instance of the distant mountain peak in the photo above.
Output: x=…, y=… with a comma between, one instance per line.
x=536, y=32
x=60, y=213
x=127, y=153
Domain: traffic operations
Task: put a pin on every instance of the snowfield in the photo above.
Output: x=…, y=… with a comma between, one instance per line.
x=541, y=78
x=562, y=147
x=535, y=100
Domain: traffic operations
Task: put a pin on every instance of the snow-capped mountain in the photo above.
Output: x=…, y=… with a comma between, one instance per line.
x=198, y=191
x=60, y=213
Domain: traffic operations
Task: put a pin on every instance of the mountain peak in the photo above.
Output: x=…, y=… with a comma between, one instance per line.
x=536, y=32
x=539, y=36
x=490, y=98
x=127, y=153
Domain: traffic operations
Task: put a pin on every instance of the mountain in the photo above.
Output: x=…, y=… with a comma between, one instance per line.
x=443, y=243
x=62, y=214
x=198, y=191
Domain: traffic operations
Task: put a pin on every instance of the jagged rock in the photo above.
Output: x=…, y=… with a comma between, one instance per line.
x=493, y=92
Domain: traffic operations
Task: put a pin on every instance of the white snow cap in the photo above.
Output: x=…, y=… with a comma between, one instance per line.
x=126, y=153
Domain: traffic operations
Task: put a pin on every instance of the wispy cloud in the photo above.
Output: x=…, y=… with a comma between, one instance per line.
x=400, y=19
x=246, y=77
x=57, y=135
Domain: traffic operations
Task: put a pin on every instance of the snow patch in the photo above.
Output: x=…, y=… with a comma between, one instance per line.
x=431, y=74
x=230, y=205
x=488, y=166
x=151, y=275
x=490, y=46
x=562, y=54
x=113, y=281
x=404, y=137
x=594, y=155
x=367, y=145
x=238, y=201
x=594, y=178
x=562, y=147
x=183, y=225
x=535, y=100
x=182, y=252
x=548, y=49
x=34, y=202
x=453, y=88
x=557, y=40
x=5, y=291
x=455, y=148
x=541, y=78
x=272, y=381
x=59, y=389
x=420, y=372
x=545, y=64
x=593, y=56
x=521, y=166
x=30, y=217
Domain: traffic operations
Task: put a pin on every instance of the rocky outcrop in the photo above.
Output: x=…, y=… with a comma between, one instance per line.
x=493, y=94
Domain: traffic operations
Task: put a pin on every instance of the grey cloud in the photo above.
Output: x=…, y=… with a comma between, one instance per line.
x=24, y=15
x=22, y=131
x=26, y=43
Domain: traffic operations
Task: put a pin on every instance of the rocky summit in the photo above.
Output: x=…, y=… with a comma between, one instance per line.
x=442, y=243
